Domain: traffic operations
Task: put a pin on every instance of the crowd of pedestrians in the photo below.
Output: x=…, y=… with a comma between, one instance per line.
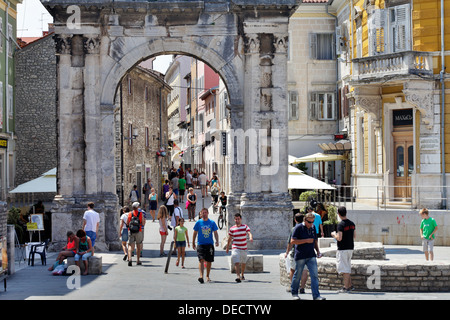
x=302, y=247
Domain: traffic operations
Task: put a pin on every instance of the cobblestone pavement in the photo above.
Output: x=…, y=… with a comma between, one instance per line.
x=149, y=282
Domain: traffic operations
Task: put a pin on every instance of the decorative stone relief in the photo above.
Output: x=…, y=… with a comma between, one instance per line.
x=281, y=44
x=92, y=44
x=423, y=101
x=63, y=43
x=252, y=43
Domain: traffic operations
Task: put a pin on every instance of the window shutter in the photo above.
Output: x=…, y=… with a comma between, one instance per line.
x=313, y=46
x=400, y=28
x=359, y=42
x=293, y=105
x=338, y=40
x=377, y=31
x=312, y=112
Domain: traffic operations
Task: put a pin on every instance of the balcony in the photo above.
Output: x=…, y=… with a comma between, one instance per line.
x=392, y=65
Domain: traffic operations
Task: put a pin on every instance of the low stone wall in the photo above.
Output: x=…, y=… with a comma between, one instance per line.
x=397, y=227
x=379, y=275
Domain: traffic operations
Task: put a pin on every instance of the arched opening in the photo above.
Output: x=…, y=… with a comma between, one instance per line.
x=171, y=120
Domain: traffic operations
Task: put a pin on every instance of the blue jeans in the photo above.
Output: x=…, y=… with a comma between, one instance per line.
x=92, y=235
x=311, y=263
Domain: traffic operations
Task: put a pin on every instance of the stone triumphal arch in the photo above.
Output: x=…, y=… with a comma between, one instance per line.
x=245, y=41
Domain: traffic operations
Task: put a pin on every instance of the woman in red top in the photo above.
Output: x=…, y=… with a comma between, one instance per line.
x=68, y=250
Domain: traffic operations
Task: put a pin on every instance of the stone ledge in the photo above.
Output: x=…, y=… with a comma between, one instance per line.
x=254, y=264
x=95, y=265
x=380, y=275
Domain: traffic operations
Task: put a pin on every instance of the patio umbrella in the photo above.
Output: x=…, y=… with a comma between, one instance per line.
x=299, y=180
x=317, y=157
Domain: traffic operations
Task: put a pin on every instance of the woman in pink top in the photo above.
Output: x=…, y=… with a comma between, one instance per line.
x=68, y=250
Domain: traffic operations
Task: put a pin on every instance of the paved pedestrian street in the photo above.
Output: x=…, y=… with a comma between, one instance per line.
x=149, y=282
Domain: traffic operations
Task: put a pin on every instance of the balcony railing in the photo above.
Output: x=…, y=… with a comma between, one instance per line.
x=393, y=64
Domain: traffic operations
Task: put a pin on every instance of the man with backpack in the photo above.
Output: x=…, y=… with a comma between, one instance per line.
x=135, y=223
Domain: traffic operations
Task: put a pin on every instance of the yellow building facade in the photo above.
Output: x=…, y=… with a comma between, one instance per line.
x=394, y=98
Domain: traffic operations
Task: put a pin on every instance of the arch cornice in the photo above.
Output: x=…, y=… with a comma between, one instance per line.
x=117, y=67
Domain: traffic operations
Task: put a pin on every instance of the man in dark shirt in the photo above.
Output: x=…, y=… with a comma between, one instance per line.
x=305, y=238
x=345, y=243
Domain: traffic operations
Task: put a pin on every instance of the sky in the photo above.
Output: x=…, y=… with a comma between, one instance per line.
x=33, y=19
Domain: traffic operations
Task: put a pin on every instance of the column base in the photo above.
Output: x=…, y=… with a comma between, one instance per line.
x=67, y=215
x=269, y=217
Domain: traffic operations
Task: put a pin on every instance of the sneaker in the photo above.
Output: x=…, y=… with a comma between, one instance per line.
x=129, y=263
x=343, y=290
x=302, y=290
x=320, y=298
x=295, y=297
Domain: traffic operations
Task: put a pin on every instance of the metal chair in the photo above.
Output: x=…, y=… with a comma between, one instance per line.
x=42, y=253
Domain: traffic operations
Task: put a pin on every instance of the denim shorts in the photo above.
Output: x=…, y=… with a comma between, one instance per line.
x=125, y=235
x=83, y=257
x=181, y=244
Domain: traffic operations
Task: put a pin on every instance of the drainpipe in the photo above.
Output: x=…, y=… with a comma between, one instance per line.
x=444, y=182
x=337, y=61
x=6, y=90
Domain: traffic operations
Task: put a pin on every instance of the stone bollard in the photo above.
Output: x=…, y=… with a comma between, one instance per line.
x=94, y=264
x=254, y=264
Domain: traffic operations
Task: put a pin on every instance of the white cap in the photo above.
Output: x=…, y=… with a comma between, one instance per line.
x=135, y=204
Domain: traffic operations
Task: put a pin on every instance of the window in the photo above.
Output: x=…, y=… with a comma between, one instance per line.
x=10, y=102
x=322, y=106
x=10, y=36
x=359, y=42
x=129, y=86
x=377, y=32
x=293, y=105
x=322, y=46
x=389, y=30
x=399, y=26
x=1, y=37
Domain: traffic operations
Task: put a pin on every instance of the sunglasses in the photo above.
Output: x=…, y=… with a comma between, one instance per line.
x=309, y=221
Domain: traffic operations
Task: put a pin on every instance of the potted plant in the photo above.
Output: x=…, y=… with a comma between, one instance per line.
x=331, y=223
x=13, y=218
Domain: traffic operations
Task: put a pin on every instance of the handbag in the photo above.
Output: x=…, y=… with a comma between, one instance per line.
x=167, y=200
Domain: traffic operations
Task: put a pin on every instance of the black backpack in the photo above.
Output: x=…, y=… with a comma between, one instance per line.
x=135, y=224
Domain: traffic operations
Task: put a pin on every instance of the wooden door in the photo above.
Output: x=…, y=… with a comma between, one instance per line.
x=403, y=165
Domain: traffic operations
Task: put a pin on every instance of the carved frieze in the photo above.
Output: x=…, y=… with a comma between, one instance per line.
x=423, y=101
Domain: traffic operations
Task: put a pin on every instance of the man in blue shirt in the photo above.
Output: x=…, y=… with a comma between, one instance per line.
x=304, y=237
x=205, y=228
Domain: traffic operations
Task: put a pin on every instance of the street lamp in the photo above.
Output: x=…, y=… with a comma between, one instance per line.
x=133, y=136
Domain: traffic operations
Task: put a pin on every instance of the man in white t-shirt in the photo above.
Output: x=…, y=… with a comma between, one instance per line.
x=177, y=214
x=202, y=179
x=91, y=221
x=238, y=235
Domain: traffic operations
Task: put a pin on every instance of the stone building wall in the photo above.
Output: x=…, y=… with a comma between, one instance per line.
x=141, y=104
x=35, y=109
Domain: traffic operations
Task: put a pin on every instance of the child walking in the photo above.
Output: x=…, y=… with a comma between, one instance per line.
x=180, y=237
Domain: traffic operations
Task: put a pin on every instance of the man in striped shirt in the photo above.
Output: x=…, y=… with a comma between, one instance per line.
x=238, y=235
